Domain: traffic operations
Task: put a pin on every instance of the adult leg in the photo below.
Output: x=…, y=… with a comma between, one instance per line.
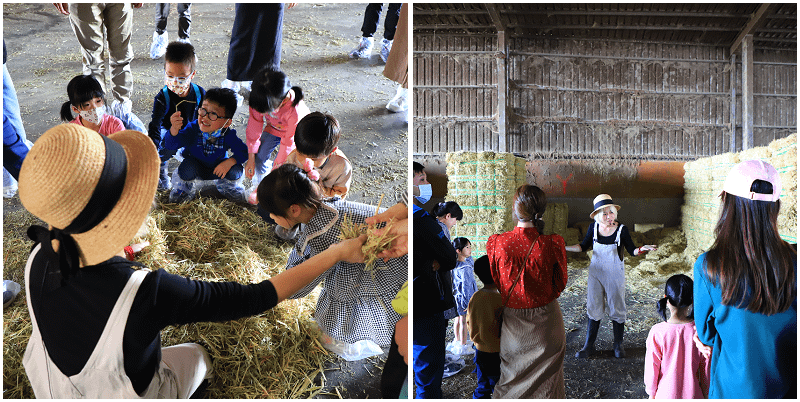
x=118, y=19
x=595, y=307
x=615, y=286
x=184, y=20
x=390, y=22
x=429, y=352
x=87, y=24
x=191, y=365
x=371, y=17
x=160, y=37
x=162, y=13
x=256, y=39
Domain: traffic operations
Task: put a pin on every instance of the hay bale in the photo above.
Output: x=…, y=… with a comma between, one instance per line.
x=272, y=355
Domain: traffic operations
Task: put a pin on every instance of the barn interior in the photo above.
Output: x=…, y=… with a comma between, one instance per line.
x=649, y=103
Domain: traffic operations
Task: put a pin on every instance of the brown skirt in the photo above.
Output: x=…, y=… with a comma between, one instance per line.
x=397, y=63
x=532, y=346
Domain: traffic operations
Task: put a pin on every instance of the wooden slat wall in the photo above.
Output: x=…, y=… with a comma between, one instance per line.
x=775, y=99
x=455, y=93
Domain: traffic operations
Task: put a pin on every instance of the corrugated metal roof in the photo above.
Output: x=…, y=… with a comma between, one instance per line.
x=772, y=25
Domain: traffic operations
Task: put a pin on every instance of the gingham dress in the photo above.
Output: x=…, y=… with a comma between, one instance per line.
x=354, y=304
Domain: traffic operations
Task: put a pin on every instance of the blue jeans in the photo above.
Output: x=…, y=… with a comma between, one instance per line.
x=192, y=168
x=15, y=143
x=487, y=367
x=268, y=144
x=429, y=351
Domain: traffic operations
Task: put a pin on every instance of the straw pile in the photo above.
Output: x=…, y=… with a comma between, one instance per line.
x=272, y=355
x=483, y=185
x=374, y=244
x=705, y=177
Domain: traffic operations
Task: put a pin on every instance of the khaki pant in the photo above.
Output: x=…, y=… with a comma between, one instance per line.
x=88, y=22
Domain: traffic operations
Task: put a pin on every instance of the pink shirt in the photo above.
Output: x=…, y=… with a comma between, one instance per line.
x=281, y=123
x=109, y=125
x=673, y=367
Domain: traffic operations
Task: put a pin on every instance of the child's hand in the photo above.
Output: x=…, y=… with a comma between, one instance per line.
x=397, y=212
x=250, y=167
x=350, y=250
x=704, y=350
x=177, y=122
x=399, y=246
x=222, y=169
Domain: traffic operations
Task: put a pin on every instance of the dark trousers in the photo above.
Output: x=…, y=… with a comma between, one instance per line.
x=256, y=40
x=394, y=373
x=487, y=368
x=184, y=18
x=192, y=168
x=373, y=14
x=429, y=351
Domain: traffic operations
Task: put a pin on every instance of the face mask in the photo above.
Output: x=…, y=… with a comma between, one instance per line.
x=178, y=85
x=425, y=193
x=94, y=116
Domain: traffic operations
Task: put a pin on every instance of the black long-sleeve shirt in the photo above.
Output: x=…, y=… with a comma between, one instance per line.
x=72, y=313
x=624, y=239
x=432, y=292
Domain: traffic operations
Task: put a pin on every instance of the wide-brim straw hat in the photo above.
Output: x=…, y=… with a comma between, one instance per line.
x=59, y=176
x=600, y=202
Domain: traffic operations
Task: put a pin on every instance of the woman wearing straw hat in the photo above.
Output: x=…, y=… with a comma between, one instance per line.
x=605, y=286
x=96, y=316
x=745, y=291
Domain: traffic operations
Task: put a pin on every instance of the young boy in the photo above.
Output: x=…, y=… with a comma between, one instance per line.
x=176, y=103
x=207, y=141
x=483, y=321
x=316, y=137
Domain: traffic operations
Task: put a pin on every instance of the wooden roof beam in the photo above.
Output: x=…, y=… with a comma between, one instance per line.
x=495, y=14
x=756, y=21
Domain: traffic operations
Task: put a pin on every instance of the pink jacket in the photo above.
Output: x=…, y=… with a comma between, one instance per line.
x=109, y=125
x=280, y=123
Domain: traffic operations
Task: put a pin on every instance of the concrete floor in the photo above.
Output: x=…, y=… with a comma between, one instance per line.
x=43, y=55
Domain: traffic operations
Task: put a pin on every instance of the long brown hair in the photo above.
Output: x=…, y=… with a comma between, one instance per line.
x=751, y=263
x=529, y=205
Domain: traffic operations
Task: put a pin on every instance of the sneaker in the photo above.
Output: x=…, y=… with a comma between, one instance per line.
x=159, y=46
x=400, y=101
x=386, y=47
x=10, y=291
x=364, y=49
x=287, y=234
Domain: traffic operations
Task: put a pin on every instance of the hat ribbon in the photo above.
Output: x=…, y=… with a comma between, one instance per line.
x=602, y=202
x=103, y=200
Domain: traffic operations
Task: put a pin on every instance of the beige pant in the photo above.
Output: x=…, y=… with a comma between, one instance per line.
x=88, y=22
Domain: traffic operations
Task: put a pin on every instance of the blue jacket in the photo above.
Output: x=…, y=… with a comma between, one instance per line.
x=191, y=138
x=754, y=356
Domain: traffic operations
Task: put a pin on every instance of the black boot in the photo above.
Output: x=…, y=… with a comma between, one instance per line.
x=619, y=330
x=591, y=334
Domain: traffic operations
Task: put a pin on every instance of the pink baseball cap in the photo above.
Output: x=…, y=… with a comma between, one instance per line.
x=741, y=177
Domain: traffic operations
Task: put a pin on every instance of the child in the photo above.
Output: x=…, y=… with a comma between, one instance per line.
x=87, y=100
x=483, y=322
x=317, y=138
x=275, y=108
x=354, y=304
x=176, y=103
x=207, y=141
x=464, y=287
x=97, y=318
x=673, y=367
x=605, y=289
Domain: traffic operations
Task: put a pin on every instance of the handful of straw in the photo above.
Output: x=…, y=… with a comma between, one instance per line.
x=375, y=244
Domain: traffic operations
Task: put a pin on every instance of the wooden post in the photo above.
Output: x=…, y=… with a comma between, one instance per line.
x=747, y=92
x=502, y=90
x=733, y=102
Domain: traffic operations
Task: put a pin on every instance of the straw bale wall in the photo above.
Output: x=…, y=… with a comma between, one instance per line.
x=483, y=185
x=703, y=181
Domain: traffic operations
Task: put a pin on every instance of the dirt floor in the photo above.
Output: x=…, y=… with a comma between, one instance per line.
x=43, y=55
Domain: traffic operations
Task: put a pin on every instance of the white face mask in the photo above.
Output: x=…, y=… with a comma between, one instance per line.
x=94, y=116
x=179, y=85
x=425, y=193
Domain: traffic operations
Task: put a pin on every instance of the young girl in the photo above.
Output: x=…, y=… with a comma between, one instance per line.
x=275, y=108
x=355, y=304
x=673, y=367
x=87, y=101
x=464, y=287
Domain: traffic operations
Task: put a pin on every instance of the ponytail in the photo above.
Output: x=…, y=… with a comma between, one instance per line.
x=66, y=112
x=661, y=306
x=298, y=95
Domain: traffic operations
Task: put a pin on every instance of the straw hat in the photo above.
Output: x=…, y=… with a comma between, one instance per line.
x=600, y=202
x=63, y=169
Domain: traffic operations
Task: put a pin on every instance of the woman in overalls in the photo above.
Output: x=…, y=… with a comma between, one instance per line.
x=605, y=286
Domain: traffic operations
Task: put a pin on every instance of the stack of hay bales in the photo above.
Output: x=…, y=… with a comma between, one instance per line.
x=705, y=177
x=483, y=185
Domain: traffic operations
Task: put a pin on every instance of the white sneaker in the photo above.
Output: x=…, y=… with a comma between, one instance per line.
x=159, y=46
x=386, y=47
x=363, y=50
x=400, y=101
